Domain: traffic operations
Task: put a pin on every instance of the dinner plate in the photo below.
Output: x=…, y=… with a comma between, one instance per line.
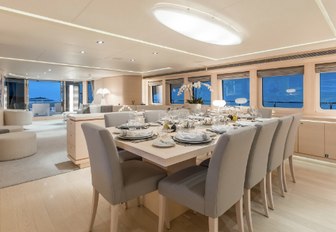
x=135, y=137
x=125, y=126
x=192, y=142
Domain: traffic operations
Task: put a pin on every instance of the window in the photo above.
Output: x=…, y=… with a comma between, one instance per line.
x=174, y=98
x=45, y=92
x=283, y=91
x=156, y=94
x=203, y=92
x=328, y=90
x=15, y=93
x=89, y=91
x=282, y=87
x=236, y=88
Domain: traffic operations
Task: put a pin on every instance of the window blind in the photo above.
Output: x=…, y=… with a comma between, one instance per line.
x=154, y=83
x=280, y=71
x=233, y=75
x=326, y=67
x=175, y=81
x=202, y=78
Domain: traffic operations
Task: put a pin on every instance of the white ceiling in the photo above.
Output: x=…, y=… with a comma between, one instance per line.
x=38, y=35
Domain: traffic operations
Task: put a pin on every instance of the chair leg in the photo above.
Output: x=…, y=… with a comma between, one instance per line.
x=239, y=215
x=291, y=166
x=247, y=208
x=162, y=212
x=95, y=199
x=213, y=224
x=284, y=176
x=280, y=179
x=269, y=190
x=263, y=195
x=114, y=218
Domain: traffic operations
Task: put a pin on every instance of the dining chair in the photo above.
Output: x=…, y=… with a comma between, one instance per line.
x=212, y=191
x=257, y=166
x=275, y=157
x=289, y=148
x=116, y=119
x=116, y=181
x=154, y=115
x=265, y=113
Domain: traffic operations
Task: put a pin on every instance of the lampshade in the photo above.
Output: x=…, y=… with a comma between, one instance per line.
x=103, y=91
x=219, y=103
x=241, y=100
x=196, y=24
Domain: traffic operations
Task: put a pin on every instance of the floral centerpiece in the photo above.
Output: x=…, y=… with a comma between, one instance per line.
x=189, y=88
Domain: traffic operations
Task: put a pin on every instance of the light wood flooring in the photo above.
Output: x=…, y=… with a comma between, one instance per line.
x=62, y=203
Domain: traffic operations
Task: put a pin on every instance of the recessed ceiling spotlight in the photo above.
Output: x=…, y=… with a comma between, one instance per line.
x=83, y=51
x=132, y=60
x=45, y=73
x=100, y=42
x=196, y=24
x=49, y=70
x=155, y=53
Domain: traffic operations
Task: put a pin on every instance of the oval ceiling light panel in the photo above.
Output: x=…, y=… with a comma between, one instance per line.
x=196, y=24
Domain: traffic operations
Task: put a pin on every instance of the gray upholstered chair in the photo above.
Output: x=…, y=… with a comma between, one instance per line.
x=117, y=182
x=265, y=113
x=154, y=115
x=117, y=118
x=276, y=156
x=289, y=148
x=212, y=191
x=257, y=165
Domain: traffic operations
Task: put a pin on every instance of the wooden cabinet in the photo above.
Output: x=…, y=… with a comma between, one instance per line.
x=311, y=138
x=317, y=138
x=330, y=140
x=76, y=144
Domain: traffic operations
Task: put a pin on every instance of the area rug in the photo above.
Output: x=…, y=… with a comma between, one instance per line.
x=50, y=159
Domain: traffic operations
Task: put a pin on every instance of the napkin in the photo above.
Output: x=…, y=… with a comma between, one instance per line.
x=192, y=136
x=219, y=128
x=127, y=133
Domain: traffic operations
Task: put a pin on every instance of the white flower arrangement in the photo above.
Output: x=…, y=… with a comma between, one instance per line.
x=189, y=88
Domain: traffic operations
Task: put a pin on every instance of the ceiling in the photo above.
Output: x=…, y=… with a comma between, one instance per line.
x=44, y=39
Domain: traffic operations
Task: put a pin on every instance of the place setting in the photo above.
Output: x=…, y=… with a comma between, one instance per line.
x=192, y=137
x=137, y=136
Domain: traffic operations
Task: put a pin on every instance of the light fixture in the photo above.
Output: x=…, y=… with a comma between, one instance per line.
x=82, y=52
x=290, y=91
x=132, y=60
x=196, y=24
x=49, y=70
x=240, y=101
x=155, y=53
x=219, y=104
x=103, y=92
x=100, y=42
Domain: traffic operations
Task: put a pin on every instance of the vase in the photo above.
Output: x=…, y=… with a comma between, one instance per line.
x=195, y=108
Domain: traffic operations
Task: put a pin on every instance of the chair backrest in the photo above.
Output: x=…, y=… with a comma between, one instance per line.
x=226, y=173
x=118, y=118
x=154, y=115
x=104, y=160
x=265, y=113
x=277, y=150
x=291, y=138
x=258, y=158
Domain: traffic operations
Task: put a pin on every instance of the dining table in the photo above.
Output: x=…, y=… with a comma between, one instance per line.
x=172, y=158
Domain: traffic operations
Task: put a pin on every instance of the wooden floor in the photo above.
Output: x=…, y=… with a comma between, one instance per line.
x=62, y=203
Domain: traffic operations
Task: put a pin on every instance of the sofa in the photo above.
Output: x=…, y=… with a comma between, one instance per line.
x=16, y=143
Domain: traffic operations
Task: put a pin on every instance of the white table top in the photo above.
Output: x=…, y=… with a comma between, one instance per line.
x=164, y=157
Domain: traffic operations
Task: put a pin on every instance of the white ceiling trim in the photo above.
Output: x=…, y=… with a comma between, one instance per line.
x=14, y=11
x=83, y=66
x=326, y=16
x=279, y=49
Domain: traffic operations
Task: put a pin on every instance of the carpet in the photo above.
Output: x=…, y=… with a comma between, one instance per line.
x=51, y=157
